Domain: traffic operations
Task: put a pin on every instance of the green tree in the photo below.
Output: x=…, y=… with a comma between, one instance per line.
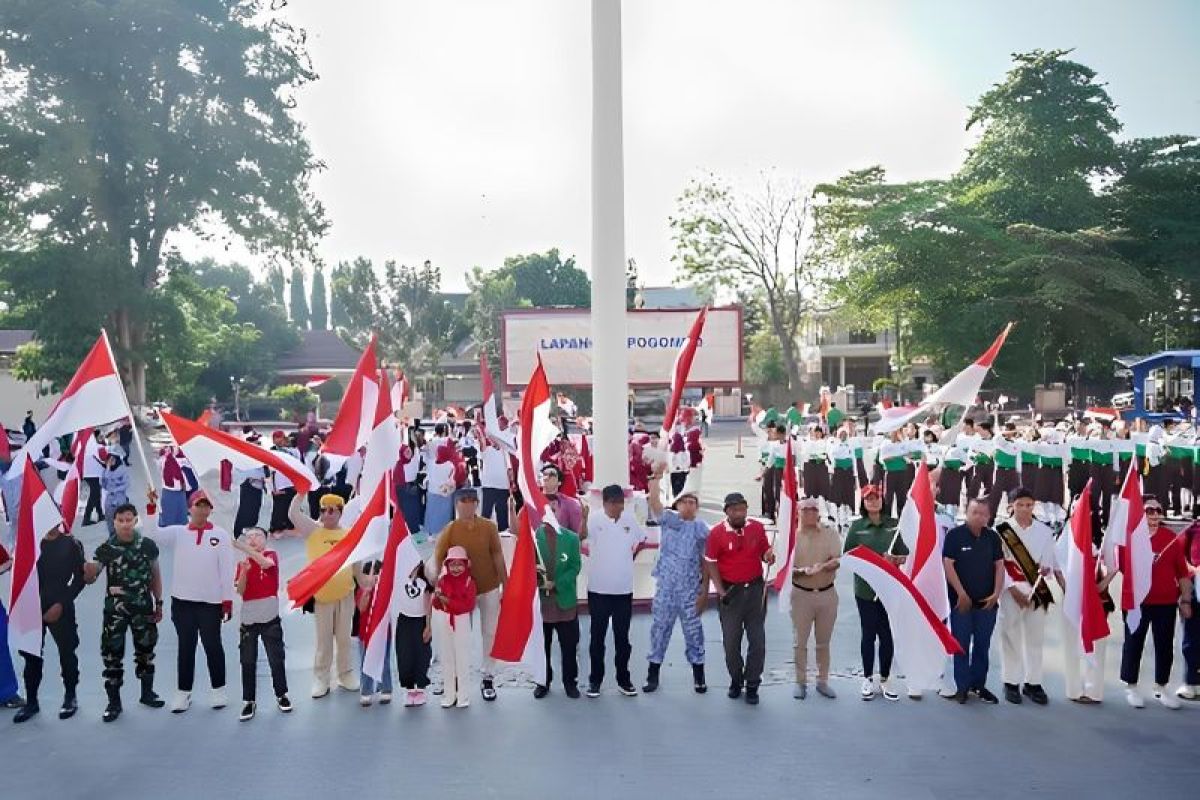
x=764, y=361
x=298, y=307
x=319, y=308
x=296, y=401
x=338, y=318
x=155, y=118
x=277, y=284
x=757, y=242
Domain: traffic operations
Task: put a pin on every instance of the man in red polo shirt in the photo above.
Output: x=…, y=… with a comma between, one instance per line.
x=1170, y=588
x=734, y=556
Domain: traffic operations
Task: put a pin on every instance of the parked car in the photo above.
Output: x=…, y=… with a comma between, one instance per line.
x=1122, y=400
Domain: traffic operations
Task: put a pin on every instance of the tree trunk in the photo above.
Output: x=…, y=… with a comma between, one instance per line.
x=133, y=371
x=787, y=347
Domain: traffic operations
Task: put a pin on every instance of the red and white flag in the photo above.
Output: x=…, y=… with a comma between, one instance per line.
x=66, y=494
x=960, y=390
x=36, y=516
x=400, y=558
x=922, y=640
x=383, y=453
x=536, y=434
x=680, y=371
x=352, y=426
x=491, y=418
x=399, y=391
x=519, y=638
x=1132, y=541
x=1081, y=599
x=207, y=447
x=308, y=581
x=95, y=396
x=789, y=527
x=923, y=536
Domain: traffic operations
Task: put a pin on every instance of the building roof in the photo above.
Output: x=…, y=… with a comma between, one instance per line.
x=319, y=351
x=10, y=340
x=1174, y=358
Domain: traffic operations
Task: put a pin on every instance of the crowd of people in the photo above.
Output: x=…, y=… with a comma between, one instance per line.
x=1001, y=502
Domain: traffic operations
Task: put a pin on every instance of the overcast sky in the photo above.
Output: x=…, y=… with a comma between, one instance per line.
x=459, y=130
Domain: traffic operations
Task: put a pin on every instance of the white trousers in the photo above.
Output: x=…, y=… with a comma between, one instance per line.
x=488, y=604
x=454, y=647
x=1022, y=634
x=1084, y=675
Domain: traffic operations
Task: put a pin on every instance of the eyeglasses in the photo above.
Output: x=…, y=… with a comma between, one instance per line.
x=1153, y=510
x=329, y=510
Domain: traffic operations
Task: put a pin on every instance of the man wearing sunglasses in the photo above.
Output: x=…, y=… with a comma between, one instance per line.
x=1170, y=588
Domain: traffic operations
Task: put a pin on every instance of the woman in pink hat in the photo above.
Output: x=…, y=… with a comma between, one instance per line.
x=453, y=602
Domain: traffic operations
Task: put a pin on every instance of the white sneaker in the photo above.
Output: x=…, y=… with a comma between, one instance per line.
x=320, y=688
x=218, y=698
x=889, y=690
x=349, y=682
x=385, y=698
x=1134, y=697
x=365, y=700
x=1165, y=698
x=447, y=701
x=914, y=694
x=1186, y=692
x=182, y=702
x=947, y=692
x=463, y=702
x=867, y=690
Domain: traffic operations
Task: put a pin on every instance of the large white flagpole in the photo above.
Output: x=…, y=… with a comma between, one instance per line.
x=610, y=359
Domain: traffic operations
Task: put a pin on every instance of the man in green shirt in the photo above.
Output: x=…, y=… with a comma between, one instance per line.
x=876, y=532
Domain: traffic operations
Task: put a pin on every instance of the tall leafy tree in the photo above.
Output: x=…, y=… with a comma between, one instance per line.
x=277, y=283
x=299, y=300
x=319, y=308
x=338, y=319
x=125, y=122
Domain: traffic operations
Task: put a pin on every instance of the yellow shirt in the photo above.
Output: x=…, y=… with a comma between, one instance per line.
x=320, y=542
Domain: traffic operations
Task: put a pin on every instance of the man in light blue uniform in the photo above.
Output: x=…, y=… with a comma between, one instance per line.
x=681, y=590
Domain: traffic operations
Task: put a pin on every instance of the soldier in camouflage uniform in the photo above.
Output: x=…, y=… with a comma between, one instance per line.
x=133, y=602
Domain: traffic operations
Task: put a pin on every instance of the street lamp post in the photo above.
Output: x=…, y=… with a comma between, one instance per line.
x=1077, y=376
x=236, y=383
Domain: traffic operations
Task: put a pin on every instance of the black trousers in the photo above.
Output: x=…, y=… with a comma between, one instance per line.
x=619, y=609
x=743, y=612
x=66, y=639
x=198, y=621
x=873, y=619
x=1159, y=621
x=1175, y=482
x=279, y=510
x=568, y=647
x=496, y=499
x=895, y=489
x=979, y=482
x=250, y=499
x=1103, y=486
x=271, y=634
x=678, y=480
x=93, y=500
x=770, y=490
x=1007, y=482
x=412, y=653
x=1077, y=477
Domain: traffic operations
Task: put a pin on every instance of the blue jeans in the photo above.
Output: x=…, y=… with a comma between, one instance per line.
x=368, y=685
x=8, y=675
x=973, y=631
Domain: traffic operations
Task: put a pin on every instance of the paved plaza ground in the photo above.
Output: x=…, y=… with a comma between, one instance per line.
x=670, y=744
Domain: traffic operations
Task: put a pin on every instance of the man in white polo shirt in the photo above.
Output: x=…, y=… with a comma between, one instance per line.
x=612, y=537
x=201, y=596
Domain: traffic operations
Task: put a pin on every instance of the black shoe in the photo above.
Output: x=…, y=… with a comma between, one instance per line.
x=752, y=695
x=735, y=691
x=698, y=683
x=1036, y=693
x=1012, y=693
x=149, y=697
x=651, y=678
x=248, y=709
x=16, y=701
x=487, y=690
x=572, y=691
x=627, y=689
x=986, y=696
x=69, y=706
x=540, y=691
x=961, y=696
x=285, y=705
x=113, y=709
x=593, y=690
x=27, y=712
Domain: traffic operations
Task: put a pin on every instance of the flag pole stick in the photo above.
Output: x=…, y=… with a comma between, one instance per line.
x=137, y=438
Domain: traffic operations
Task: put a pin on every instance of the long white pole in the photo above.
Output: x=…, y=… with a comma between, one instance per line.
x=610, y=359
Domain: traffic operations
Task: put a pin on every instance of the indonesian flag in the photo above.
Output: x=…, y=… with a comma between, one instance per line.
x=960, y=390
x=66, y=494
x=922, y=640
x=207, y=447
x=383, y=451
x=585, y=456
x=316, y=380
x=399, y=391
x=205, y=417
x=491, y=419
x=36, y=516
x=95, y=396
x=923, y=537
x=308, y=581
x=1097, y=412
x=353, y=424
x=788, y=529
x=537, y=432
x=519, y=628
x=5, y=449
x=681, y=369
x=400, y=558
x=1128, y=536
x=1081, y=598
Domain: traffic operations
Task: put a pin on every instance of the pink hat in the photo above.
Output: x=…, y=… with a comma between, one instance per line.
x=199, y=496
x=457, y=553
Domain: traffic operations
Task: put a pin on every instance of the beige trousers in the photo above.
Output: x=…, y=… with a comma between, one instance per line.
x=334, y=621
x=454, y=649
x=813, y=610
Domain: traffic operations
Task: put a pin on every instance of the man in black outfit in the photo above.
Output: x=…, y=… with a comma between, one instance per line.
x=60, y=580
x=974, y=562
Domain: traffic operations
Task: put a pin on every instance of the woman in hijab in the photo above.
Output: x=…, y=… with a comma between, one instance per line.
x=441, y=481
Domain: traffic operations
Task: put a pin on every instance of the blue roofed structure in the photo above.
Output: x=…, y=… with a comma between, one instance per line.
x=1160, y=380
